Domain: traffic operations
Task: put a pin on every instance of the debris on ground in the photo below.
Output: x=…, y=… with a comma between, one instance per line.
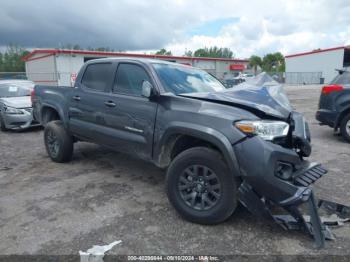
x=96, y=253
x=341, y=210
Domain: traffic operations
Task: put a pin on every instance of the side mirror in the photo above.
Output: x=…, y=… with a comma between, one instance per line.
x=146, y=89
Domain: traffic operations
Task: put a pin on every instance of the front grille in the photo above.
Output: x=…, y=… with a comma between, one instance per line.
x=310, y=176
x=17, y=123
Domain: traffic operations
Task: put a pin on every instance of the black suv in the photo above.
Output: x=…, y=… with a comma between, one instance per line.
x=334, y=105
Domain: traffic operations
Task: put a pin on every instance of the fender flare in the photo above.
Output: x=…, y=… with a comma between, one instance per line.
x=340, y=116
x=201, y=132
x=56, y=108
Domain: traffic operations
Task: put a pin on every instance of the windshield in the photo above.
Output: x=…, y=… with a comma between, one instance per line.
x=12, y=90
x=180, y=79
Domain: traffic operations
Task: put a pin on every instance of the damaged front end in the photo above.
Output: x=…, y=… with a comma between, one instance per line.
x=275, y=173
x=271, y=157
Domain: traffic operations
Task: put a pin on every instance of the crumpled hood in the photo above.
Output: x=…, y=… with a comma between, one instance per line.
x=261, y=95
x=17, y=102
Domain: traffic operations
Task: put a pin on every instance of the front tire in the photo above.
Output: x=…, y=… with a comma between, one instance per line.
x=201, y=187
x=58, y=142
x=2, y=125
x=345, y=127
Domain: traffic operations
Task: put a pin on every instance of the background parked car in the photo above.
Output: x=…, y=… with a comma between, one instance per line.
x=20, y=82
x=243, y=77
x=237, y=79
x=15, y=104
x=334, y=104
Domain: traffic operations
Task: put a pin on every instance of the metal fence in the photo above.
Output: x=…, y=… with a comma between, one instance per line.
x=304, y=78
x=53, y=79
x=298, y=78
x=277, y=76
x=13, y=75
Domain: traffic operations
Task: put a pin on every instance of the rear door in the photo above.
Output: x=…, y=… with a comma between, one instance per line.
x=87, y=109
x=133, y=116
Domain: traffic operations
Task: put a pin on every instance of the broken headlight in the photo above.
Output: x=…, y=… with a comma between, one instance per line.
x=13, y=111
x=266, y=129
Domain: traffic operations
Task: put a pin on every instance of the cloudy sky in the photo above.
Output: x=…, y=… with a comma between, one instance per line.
x=246, y=27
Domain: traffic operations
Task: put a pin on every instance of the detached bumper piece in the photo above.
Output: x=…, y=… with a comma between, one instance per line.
x=260, y=206
x=310, y=176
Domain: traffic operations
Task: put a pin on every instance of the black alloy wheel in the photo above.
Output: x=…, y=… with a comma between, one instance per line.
x=199, y=187
x=53, y=144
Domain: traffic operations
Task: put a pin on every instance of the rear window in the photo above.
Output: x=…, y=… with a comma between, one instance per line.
x=342, y=79
x=97, y=76
x=12, y=90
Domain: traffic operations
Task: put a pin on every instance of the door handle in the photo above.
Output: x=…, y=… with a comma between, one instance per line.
x=76, y=98
x=110, y=104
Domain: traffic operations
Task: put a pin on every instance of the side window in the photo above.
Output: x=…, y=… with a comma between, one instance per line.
x=129, y=79
x=96, y=76
x=342, y=79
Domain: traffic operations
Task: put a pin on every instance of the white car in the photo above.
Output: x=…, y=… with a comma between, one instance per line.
x=243, y=77
x=22, y=83
x=247, y=76
x=15, y=105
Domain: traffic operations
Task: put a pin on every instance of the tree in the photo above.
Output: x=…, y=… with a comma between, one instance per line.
x=254, y=62
x=163, y=51
x=1, y=63
x=273, y=62
x=188, y=53
x=213, y=52
x=11, y=60
x=104, y=49
x=76, y=47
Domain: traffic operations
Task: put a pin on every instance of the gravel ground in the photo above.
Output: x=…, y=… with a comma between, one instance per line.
x=103, y=196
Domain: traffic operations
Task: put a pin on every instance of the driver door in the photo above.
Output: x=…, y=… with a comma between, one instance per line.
x=132, y=118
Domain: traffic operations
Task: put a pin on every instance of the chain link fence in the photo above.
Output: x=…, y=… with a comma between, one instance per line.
x=53, y=79
x=13, y=75
x=304, y=78
x=298, y=78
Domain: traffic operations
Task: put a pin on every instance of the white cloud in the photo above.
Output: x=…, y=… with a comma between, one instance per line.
x=270, y=26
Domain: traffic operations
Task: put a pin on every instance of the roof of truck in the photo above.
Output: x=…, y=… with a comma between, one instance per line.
x=143, y=60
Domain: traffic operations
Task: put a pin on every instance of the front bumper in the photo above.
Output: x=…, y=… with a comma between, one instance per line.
x=19, y=121
x=258, y=162
x=262, y=186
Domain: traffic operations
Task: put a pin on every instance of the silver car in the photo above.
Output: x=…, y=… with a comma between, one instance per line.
x=15, y=105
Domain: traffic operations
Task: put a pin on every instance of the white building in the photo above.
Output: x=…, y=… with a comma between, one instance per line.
x=309, y=67
x=60, y=67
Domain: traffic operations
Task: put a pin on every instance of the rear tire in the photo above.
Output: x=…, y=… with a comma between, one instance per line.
x=210, y=194
x=345, y=127
x=58, y=142
x=2, y=125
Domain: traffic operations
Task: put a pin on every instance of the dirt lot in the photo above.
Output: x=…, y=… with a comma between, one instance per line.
x=103, y=196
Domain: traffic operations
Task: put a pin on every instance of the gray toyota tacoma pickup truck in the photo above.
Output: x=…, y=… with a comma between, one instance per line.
x=219, y=146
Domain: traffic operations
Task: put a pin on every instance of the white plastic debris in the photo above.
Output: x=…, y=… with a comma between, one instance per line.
x=96, y=253
x=332, y=220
